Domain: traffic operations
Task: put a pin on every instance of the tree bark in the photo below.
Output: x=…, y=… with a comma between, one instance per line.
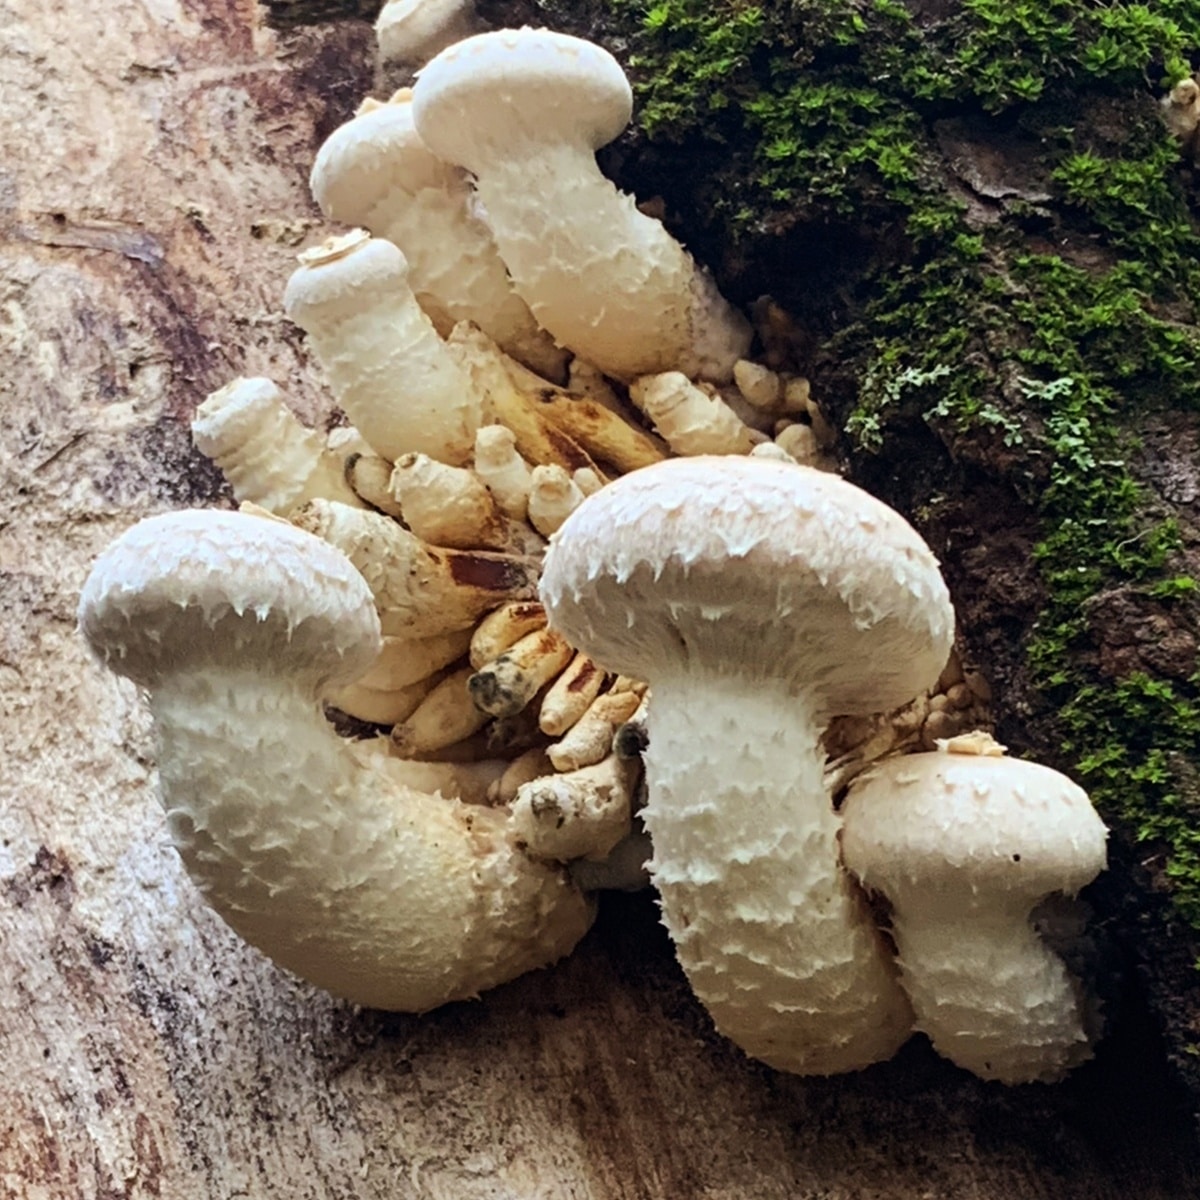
x=153, y=165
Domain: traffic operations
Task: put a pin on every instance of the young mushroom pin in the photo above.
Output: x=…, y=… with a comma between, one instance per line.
x=758, y=599
x=525, y=110
x=323, y=857
x=964, y=843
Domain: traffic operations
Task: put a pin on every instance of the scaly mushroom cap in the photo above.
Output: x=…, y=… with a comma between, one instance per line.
x=332, y=276
x=996, y=826
x=779, y=567
x=203, y=587
x=375, y=153
x=516, y=84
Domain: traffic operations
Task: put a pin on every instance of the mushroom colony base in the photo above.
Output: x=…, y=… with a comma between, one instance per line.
x=486, y=421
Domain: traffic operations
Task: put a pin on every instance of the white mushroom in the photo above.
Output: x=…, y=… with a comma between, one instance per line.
x=691, y=419
x=390, y=372
x=268, y=456
x=411, y=32
x=525, y=111
x=965, y=843
x=757, y=599
x=323, y=858
x=375, y=172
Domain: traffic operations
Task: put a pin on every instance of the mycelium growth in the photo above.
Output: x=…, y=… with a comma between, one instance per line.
x=461, y=461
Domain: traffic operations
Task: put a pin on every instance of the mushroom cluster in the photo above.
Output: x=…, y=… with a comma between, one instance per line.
x=589, y=570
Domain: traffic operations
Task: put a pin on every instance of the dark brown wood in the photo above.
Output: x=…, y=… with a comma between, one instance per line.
x=290, y=14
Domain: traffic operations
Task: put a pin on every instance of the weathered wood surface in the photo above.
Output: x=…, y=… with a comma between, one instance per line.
x=153, y=155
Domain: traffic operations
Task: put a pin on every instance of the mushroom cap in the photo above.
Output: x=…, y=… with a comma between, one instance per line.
x=752, y=566
x=375, y=155
x=480, y=95
x=943, y=821
x=408, y=31
x=331, y=276
x=212, y=588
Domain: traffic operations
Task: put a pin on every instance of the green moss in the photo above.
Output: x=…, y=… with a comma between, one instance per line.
x=828, y=109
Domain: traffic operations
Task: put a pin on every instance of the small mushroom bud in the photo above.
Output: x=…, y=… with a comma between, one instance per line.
x=772, y=451
x=800, y=442
x=525, y=111
x=420, y=590
x=1181, y=111
x=371, y=478
x=447, y=506
x=268, y=456
x=581, y=814
x=503, y=471
x=504, y=628
x=570, y=696
x=691, y=421
x=390, y=372
x=447, y=715
x=404, y=661
x=587, y=481
x=507, y=684
x=591, y=737
x=964, y=843
x=760, y=386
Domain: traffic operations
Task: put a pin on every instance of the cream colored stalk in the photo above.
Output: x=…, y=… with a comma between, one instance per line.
x=375, y=172
x=323, y=857
x=553, y=496
x=420, y=590
x=964, y=843
x=690, y=419
x=382, y=706
x=525, y=111
x=268, y=456
x=502, y=629
x=446, y=716
x=503, y=471
x=758, y=599
x=403, y=661
x=371, y=478
x=389, y=370
x=580, y=814
x=570, y=696
x=507, y=684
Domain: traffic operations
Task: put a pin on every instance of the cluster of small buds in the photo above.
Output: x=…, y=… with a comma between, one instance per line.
x=463, y=458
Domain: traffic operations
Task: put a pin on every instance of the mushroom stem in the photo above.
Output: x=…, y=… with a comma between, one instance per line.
x=1028, y=1024
x=302, y=819
x=746, y=863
